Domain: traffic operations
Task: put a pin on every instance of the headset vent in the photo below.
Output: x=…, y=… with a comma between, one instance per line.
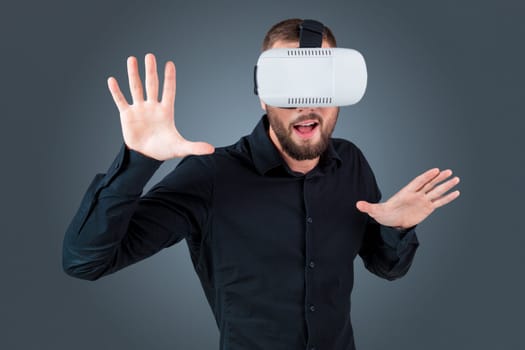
x=309, y=100
x=310, y=52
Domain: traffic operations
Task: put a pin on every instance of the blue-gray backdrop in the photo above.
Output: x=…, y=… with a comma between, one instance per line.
x=446, y=89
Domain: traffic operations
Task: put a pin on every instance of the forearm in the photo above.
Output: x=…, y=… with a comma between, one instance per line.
x=102, y=220
x=389, y=252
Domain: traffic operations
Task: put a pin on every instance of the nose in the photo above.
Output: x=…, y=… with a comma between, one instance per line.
x=307, y=109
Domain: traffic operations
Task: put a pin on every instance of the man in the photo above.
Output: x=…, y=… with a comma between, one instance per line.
x=273, y=222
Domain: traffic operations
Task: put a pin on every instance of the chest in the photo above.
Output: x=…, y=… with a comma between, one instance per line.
x=272, y=222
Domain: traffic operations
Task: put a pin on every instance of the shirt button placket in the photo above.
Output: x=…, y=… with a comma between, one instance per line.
x=310, y=264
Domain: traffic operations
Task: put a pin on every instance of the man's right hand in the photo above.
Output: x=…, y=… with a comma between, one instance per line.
x=148, y=126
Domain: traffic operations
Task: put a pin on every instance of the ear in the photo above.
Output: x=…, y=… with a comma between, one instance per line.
x=263, y=105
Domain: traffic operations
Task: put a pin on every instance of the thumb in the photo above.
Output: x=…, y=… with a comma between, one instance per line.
x=201, y=148
x=196, y=148
x=365, y=207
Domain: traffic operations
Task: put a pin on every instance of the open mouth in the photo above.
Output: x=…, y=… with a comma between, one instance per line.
x=307, y=128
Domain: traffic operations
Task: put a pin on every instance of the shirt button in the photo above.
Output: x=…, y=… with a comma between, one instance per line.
x=312, y=308
x=309, y=220
x=311, y=264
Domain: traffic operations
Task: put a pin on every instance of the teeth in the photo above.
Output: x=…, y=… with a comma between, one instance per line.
x=309, y=124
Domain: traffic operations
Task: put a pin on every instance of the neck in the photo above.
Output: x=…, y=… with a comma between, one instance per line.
x=300, y=166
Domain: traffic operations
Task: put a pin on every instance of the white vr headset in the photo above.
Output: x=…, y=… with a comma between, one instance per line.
x=310, y=76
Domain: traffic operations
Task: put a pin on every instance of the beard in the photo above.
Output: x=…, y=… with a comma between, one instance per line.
x=306, y=149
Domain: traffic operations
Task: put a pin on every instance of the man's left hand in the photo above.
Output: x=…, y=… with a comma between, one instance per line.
x=414, y=202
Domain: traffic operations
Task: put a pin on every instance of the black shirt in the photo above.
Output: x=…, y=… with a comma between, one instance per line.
x=273, y=248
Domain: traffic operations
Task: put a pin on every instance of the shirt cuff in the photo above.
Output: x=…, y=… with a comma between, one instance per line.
x=395, y=237
x=130, y=171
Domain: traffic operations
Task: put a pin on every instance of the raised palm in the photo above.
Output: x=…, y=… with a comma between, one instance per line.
x=414, y=202
x=148, y=126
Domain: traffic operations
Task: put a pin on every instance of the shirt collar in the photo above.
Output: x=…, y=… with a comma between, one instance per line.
x=266, y=156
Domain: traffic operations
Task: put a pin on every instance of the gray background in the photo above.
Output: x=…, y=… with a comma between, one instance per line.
x=446, y=89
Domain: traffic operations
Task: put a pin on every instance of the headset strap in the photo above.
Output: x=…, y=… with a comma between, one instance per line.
x=310, y=33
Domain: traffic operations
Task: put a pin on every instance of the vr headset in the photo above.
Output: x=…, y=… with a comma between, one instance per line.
x=310, y=76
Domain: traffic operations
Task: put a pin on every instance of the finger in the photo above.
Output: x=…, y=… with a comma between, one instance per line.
x=170, y=85
x=446, y=199
x=197, y=148
x=117, y=95
x=152, y=79
x=418, y=182
x=365, y=207
x=135, y=85
x=442, y=176
x=438, y=191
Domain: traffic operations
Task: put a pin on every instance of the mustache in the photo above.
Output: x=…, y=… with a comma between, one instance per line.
x=309, y=116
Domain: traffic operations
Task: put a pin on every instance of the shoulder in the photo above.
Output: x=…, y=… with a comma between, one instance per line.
x=349, y=152
x=235, y=152
x=354, y=160
x=356, y=164
x=199, y=172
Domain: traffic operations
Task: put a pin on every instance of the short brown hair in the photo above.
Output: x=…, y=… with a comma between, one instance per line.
x=288, y=30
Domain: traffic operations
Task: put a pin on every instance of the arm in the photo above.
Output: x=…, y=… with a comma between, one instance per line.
x=114, y=227
x=388, y=252
x=95, y=234
x=390, y=242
